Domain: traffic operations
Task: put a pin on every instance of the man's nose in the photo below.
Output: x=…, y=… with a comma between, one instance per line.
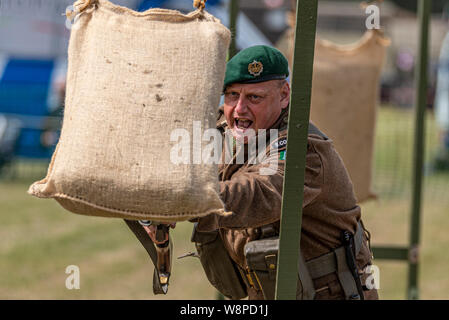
x=242, y=105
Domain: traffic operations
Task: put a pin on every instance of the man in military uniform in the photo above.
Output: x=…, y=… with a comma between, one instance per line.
x=257, y=96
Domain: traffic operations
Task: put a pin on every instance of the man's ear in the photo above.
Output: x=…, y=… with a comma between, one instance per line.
x=285, y=95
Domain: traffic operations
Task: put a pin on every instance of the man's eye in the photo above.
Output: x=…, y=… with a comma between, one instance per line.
x=255, y=97
x=231, y=94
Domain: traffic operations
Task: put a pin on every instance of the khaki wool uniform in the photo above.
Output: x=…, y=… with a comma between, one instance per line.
x=329, y=206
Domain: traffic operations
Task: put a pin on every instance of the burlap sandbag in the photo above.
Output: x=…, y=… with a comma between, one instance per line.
x=132, y=79
x=345, y=92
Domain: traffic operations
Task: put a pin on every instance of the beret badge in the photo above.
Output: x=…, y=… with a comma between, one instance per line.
x=255, y=68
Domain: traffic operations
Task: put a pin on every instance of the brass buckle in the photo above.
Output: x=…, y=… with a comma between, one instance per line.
x=248, y=273
x=250, y=279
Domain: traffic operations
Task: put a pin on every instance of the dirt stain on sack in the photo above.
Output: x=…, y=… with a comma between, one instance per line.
x=147, y=71
x=159, y=85
x=108, y=61
x=158, y=98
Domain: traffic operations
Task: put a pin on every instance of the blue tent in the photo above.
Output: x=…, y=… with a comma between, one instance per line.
x=147, y=4
x=24, y=89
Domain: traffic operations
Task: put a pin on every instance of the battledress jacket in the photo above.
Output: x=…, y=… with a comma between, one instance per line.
x=329, y=205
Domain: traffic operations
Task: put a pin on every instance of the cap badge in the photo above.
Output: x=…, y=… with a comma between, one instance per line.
x=255, y=68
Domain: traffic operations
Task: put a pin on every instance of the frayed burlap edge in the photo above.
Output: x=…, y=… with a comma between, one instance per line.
x=167, y=15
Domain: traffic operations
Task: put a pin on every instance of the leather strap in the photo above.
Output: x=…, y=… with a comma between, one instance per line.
x=148, y=244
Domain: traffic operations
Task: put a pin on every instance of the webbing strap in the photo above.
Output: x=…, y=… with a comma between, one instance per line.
x=344, y=275
x=306, y=287
x=321, y=266
x=327, y=263
x=314, y=130
x=358, y=238
x=148, y=244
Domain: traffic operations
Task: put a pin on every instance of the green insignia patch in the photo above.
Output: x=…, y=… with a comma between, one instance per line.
x=282, y=155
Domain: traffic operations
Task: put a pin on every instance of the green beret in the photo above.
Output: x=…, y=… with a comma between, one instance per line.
x=256, y=64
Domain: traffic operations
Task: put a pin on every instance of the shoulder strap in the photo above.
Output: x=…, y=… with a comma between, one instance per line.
x=314, y=130
x=145, y=240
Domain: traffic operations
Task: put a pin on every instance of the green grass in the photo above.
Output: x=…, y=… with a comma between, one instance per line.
x=40, y=239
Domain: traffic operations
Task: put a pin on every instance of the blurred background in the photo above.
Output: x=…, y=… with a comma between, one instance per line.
x=40, y=239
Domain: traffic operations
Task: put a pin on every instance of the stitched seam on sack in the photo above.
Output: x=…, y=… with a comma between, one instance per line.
x=102, y=207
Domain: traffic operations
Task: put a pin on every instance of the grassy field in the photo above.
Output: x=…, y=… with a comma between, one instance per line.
x=40, y=239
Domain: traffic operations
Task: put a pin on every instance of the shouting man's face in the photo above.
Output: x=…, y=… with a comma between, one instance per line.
x=254, y=105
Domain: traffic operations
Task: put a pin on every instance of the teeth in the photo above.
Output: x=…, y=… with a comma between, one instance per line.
x=243, y=123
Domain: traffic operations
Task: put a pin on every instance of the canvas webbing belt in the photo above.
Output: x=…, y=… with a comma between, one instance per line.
x=332, y=262
x=328, y=263
x=336, y=262
x=149, y=246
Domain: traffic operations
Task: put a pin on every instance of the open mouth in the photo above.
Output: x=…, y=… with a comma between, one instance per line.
x=243, y=123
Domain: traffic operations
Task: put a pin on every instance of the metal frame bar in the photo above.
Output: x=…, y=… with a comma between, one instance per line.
x=424, y=7
x=411, y=254
x=298, y=123
x=233, y=15
x=391, y=253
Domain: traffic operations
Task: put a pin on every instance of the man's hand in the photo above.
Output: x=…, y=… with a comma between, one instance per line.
x=151, y=230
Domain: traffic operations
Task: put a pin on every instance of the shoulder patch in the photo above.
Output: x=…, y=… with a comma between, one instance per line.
x=280, y=143
x=282, y=155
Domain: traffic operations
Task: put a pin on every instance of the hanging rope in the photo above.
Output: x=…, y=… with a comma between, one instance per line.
x=199, y=4
x=78, y=7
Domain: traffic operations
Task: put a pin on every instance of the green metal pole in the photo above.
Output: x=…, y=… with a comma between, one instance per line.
x=233, y=14
x=298, y=123
x=418, y=155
